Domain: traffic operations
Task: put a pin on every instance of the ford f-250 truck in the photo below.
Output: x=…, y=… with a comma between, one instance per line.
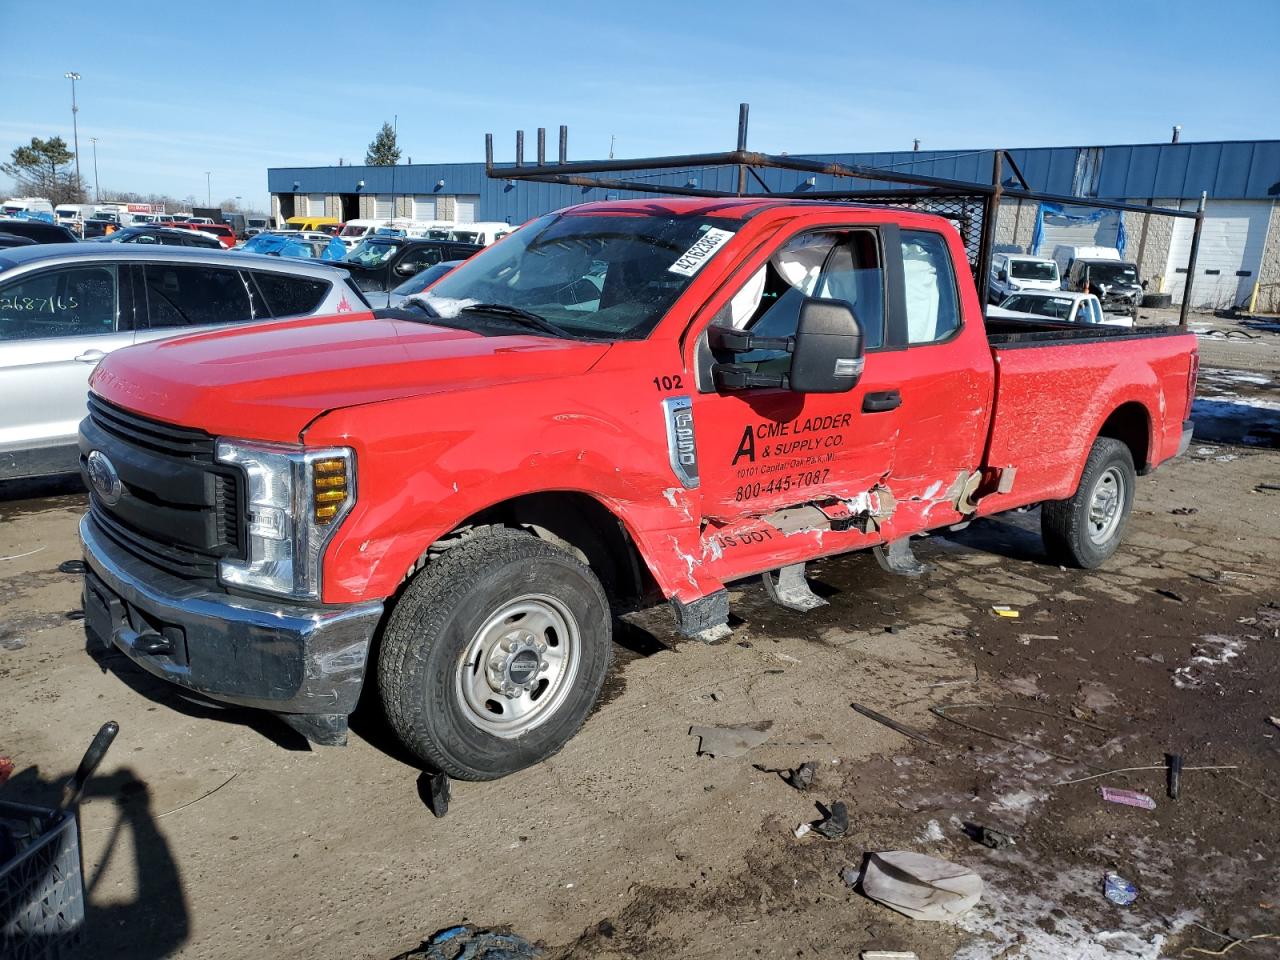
x=618, y=401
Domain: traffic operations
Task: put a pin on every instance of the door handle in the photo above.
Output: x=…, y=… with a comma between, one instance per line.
x=91, y=356
x=881, y=402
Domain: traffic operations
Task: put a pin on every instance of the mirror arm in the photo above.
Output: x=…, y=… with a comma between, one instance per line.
x=733, y=376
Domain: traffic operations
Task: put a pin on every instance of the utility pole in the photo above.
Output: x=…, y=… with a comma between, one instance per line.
x=208, y=187
x=97, y=193
x=75, y=127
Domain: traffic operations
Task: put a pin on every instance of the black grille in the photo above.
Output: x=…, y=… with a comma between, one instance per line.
x=182, y=442
x=180, y=510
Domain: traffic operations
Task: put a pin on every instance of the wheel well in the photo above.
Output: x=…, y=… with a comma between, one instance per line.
x=583, y=526
x=1131, y=425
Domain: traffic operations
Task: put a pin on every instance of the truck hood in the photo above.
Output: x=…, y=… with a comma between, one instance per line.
x=268, y=381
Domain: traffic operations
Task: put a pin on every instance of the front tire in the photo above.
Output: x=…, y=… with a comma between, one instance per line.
x=1086, y=529
x=494, y=655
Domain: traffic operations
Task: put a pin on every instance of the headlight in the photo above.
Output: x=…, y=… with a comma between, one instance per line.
x=295, y=500
x=1015, y=286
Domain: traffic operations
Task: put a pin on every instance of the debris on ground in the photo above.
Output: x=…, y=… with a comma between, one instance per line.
x=803, y=829
x=1096, y=698
x=835, y=824
x=1184, y=511
x=1212, y=651
x=888, y=955
x=1171, y=595
x=71, y=566
x=988, y=836
x=1274, y=721
x=1119, y=890
x=1001, y=610
x=1130, y=798
x=1175, y=774
x=920, y=886
x=465, y=942
x=802, y=776
x=932, y=833
x=902, y=728
x=434, y=789
x=730, y=741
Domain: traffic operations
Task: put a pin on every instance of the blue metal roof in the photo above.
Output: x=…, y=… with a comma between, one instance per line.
x=1226, y=170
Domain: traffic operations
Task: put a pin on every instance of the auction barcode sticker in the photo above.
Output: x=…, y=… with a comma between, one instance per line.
x=693, y=259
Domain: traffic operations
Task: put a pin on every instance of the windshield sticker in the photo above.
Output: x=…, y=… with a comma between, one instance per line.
x=693, y=259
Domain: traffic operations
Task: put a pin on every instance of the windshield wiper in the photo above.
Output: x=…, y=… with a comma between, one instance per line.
x=523, y=317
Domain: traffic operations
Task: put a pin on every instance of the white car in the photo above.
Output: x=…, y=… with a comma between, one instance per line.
x=64, y=306
x=1063, y=306
x=1016, y=272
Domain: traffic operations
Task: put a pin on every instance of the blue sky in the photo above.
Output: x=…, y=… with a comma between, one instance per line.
x=174, y=89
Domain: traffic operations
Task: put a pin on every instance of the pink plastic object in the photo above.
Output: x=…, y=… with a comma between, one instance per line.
x=1130, y=797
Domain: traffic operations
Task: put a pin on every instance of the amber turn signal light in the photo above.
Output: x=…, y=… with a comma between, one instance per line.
x=329, y=488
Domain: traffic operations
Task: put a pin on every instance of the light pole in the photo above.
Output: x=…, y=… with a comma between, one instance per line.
x=208, y=187
x=240, y=204
x=97, y=192
x=75, y=127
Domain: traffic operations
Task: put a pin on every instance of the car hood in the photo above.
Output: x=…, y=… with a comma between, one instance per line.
x=269, y=381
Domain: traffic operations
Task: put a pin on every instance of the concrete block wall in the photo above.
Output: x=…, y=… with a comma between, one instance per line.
x=1269, y=275
x=333, y=206
x=367, y=206
x=446, y=207
x=1015, y=225
x=1149, y=237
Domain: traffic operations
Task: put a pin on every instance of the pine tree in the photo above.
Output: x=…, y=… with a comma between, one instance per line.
x=383, y=151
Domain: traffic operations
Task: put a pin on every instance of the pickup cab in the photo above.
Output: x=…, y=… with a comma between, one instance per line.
x=622, y=402
x=1060, y=305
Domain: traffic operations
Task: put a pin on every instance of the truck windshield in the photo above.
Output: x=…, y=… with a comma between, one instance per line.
x=371, y=254
x=1112, y=273
x=600, y=276
x=1033, y=270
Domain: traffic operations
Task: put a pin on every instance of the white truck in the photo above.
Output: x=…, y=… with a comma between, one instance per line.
x=1062, y=305
x=16, y=205
x=1015, y=272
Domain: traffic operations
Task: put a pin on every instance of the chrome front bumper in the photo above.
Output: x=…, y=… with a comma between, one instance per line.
x=306, y=663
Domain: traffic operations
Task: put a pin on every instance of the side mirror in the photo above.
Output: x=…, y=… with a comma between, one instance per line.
x=405, y=270
x=1002, y=276
x=1144, y=284
x=826, y=352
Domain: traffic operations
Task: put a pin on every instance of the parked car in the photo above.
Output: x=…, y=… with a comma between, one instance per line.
x=295, y=244
x=170, y=236
x=31, y=205
x=1064, y=254
x=220, y=232
x=64, y=307
x=255, y=225
x=37, y=230
x=100, y=225
x=752, y=384
x=1013, y=272
x=1061, y=305
x=12, y=240
x=311, y=223
x=380, y=263
x=1114, y=282
x=481, y=234
x=353, y=231
x=413, y=286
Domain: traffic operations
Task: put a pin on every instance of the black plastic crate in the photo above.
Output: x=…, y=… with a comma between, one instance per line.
x=41, y=886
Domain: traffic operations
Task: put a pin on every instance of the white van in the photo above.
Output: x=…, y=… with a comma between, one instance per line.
x=1014, y=272
x=481, y=233
x=16, y=205
x=73, y=215
x=1066, y=254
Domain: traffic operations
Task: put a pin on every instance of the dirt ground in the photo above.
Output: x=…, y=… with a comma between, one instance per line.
x=220, y=834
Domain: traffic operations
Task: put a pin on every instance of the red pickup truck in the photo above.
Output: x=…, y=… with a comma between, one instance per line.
x=617, y=402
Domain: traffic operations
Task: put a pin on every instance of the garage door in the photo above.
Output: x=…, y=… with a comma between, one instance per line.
x=1063, y=230
x=466, y=209
x=384, y=207
x=315, y=205
x=1230, y=256
x=424, y=207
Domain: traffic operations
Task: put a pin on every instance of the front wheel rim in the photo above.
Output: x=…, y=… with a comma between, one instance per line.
x=1106, y=506
x=519, y=666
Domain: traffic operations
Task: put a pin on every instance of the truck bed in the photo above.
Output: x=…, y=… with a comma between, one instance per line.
x=1058, y=386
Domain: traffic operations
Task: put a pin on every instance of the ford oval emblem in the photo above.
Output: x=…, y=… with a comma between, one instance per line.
x=103, y=478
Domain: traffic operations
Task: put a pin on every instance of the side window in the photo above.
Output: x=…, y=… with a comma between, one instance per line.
x=190, y=295
x=291, y=296
x=71, y=302
x=417, y=260
x=1095, y=310
x=933, y=311
x=830, y=266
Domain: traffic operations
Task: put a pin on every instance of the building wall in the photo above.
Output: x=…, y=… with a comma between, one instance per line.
x=1269, y=276
x=1150, y=250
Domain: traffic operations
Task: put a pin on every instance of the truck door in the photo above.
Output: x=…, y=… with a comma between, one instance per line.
x=762, y=450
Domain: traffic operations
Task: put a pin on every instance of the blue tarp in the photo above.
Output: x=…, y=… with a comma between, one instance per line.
x=1093, y=216
x=34, y=215
x=283, y=245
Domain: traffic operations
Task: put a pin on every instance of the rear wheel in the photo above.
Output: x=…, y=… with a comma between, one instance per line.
x=1085, y=529
x=494, y=655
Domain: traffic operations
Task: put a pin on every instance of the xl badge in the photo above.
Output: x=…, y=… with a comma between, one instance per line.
x=104, y=479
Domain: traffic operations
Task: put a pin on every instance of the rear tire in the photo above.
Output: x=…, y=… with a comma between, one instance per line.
x=494, y=655
x=1086, y=529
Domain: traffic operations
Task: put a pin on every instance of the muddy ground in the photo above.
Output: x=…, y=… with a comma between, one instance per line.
x=219, y=833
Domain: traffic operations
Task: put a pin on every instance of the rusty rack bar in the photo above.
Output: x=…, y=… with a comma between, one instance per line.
x=586, y=173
